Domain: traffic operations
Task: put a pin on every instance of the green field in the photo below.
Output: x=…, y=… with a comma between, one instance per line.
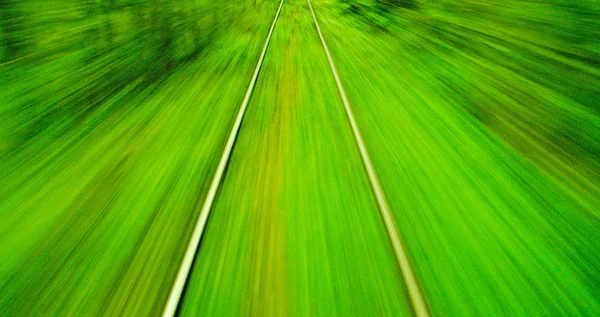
x=482, y=120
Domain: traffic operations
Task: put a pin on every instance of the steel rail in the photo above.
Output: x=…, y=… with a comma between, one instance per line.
x=186, y=264
x=419, y=304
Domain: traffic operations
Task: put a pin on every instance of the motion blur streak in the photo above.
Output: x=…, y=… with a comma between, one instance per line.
x=482, y=121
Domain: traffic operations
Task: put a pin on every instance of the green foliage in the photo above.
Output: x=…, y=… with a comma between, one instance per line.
x=72, y=56
x=12, y=25
x=407, y=4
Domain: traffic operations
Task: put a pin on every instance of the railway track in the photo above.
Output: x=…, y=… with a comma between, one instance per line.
x=418, y=302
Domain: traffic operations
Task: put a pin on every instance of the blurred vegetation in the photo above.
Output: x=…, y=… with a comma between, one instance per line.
x=528, y=70
x=106, y=150
x=89, y=50
x=61, y=60
x=482, y=119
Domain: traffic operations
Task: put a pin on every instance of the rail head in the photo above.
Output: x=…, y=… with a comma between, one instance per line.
x=185, y=267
